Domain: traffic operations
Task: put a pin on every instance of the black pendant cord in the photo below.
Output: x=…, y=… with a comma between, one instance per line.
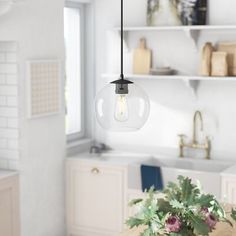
x=122, y=43
x=122, y=83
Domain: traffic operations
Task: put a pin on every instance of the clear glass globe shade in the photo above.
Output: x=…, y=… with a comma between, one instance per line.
x=128, y=112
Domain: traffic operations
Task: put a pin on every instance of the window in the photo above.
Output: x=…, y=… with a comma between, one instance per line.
x=73, y=34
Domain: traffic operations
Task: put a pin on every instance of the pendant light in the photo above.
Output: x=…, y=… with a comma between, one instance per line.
x=122, y=105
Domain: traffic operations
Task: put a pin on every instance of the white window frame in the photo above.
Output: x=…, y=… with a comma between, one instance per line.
x=76, y=136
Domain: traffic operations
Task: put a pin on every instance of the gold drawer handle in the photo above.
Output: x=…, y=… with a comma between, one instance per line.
x=95, y=171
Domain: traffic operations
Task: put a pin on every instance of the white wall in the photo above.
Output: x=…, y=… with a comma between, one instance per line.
x=172, y=104
x=37, y=26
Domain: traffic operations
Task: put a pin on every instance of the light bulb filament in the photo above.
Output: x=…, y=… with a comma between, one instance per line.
x=121, y=108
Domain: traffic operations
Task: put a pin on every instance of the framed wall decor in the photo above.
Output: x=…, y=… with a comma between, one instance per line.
x=43, y=87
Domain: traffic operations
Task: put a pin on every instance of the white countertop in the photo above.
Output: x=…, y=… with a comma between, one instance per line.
x=125, y=159
x=116, y=158
x=7, y=173
x=230, y=171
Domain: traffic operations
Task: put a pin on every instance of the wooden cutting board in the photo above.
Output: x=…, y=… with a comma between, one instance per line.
x=230, y=49
x=142, y=59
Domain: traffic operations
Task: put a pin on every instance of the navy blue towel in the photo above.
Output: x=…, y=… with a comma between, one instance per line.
x=151, y=176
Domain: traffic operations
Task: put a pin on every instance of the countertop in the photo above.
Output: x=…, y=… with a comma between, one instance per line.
x=116, y=158
x=231, y=171
x=125, y=159
x=7, y=173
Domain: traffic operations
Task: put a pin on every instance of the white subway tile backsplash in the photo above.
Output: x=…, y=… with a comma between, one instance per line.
x=11, y=69
x=2, y=57
x=8, y=46
x=8, y=112
x=9, y=133
x=3, y=143
x=13, y=144
x=3, y=68
x=4, y=122
x=12, y=123
x=11, y=57
x=9, y=154
x=3, y=101
x=8, y=90
x=11, y=79
x=8, y=68
x=13, y=164
x=2, y=79
x=4, y=164
x=12, y=101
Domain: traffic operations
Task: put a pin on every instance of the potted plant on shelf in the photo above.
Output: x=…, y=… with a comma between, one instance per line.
x=180, y=210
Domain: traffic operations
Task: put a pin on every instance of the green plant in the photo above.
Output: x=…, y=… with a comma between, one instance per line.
x=180, y=210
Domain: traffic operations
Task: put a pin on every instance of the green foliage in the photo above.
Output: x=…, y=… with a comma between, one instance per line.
x=233, y=214
x=199, y=226
x=185, y=202
x=132, y=222
x=135, y=201
x=185, y=192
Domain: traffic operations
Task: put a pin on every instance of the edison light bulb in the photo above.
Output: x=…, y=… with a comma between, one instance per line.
x=121, y=108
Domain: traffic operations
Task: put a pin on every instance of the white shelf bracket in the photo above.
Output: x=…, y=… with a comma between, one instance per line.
x=193, y=35
x=192, y=85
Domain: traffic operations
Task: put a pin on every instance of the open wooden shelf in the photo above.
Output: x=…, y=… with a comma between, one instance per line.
x=192, y=32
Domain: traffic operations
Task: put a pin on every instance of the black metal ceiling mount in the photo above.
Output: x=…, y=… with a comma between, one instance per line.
x=122, y=83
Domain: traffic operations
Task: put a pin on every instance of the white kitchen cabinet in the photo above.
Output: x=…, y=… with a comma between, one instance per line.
x=229, y=189
x=95, y=198
x=9, y=205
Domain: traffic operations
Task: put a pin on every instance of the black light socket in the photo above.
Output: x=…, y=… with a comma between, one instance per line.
x=122, y=85
x=122, y=89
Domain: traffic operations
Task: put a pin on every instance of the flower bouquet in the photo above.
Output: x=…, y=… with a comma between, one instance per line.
x=180, y=210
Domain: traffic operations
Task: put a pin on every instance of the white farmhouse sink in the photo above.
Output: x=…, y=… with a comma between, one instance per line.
x=192, y=164
x=206, y=171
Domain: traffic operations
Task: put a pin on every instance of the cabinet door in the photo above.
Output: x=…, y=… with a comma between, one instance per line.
x=95, y=199
x=9, y=207
x=229, y=190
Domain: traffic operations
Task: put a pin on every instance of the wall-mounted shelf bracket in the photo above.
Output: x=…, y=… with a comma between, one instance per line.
x=192, y=85
x=193, y=35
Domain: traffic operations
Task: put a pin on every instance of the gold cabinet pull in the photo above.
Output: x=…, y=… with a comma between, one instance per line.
x=95, y=171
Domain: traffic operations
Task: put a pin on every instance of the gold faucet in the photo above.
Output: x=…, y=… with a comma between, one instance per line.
x=195, y=144
x=197, y=114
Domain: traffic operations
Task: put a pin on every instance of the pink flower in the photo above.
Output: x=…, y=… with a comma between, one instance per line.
x=211, y=220
x=205, y=210
x=173, y=224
